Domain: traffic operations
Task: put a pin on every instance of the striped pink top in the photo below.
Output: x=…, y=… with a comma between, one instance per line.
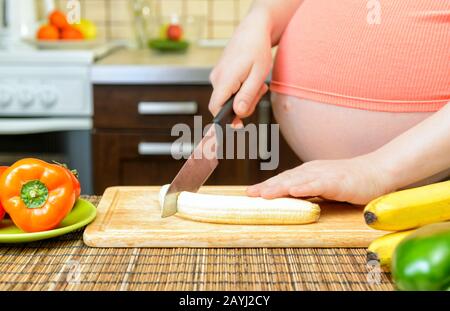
x=382, y=55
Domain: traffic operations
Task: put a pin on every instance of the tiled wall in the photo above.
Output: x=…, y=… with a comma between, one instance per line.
x=208, y=19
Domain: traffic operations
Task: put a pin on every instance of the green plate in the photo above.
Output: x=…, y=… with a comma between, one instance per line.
x=82, y=214
x=164, y=45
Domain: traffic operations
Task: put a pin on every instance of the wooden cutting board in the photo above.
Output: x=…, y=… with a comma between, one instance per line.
x=130, y=217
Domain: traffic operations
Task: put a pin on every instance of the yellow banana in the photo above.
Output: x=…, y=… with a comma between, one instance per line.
x=382, y=248
x=411, y=208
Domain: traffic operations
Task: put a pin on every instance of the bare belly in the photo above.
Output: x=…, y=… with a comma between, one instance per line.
x=322, y=131
x=318, y=131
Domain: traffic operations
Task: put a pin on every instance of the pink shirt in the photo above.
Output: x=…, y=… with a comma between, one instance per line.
x=382, y=55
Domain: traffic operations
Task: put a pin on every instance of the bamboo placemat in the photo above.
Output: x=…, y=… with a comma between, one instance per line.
x=65, y=263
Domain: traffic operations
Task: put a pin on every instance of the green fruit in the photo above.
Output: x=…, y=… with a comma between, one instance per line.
x=168, y=45
x=422, y=260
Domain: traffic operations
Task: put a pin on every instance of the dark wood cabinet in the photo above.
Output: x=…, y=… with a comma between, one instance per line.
x=132, y=136
x=149, y=107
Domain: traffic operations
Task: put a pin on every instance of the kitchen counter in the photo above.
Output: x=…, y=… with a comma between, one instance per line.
x=150, y=67
x=65, y=263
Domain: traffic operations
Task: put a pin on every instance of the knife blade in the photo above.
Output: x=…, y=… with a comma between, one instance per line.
x=200, y=164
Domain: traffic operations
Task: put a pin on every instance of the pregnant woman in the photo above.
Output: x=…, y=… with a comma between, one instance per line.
x=361, y=90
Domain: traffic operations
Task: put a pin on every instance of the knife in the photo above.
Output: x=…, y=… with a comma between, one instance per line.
x=200, y=164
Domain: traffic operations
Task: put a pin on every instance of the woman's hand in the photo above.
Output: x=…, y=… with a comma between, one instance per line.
x=357, y=180
x=244, y=66
x=415, y=155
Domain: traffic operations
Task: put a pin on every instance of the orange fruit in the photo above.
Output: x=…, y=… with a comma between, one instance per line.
x=71, y=33
x=58, y=19
x=48, y=32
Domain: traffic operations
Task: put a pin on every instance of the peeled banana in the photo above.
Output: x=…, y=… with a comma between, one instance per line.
x=243, y=210
x=383, y=247
x=411, y=208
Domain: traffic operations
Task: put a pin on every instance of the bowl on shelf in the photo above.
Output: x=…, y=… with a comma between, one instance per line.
x=174, y=33
x=166, y=45
x=63, y=44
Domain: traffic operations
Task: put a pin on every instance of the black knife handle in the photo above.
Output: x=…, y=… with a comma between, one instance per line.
x=226, y=115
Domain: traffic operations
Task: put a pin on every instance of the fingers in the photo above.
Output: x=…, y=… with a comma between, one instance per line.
x=251, y=91
x=310, y=189
x=221, y=94
x=224, y=86
x=296, y=183
x=253, y=191
x=280, y=185
x=247, y=95
x=237, y=123
x=271, y=187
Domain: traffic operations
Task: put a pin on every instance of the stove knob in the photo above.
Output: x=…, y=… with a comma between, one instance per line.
x=48, y=98
x=6, y=97
x=26, y=98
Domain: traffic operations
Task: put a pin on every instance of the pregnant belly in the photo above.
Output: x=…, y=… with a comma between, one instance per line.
x=323, y=131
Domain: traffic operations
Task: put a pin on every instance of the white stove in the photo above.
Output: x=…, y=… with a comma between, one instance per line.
x=47, y=83
x=42, y=90
x=46, y=106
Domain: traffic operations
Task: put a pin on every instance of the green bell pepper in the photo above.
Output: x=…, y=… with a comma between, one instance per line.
x=422, y=260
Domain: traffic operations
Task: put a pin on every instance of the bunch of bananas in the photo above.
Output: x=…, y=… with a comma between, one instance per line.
x=405, y=211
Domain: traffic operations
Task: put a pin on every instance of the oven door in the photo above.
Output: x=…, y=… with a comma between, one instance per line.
x=65, y=140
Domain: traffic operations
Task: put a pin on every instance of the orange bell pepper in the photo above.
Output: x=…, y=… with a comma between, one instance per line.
x=74, y=176
x=2, y=210
x=76, y=184
x=37, y=195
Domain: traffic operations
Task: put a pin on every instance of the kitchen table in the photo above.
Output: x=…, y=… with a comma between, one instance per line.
x=65, y=263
